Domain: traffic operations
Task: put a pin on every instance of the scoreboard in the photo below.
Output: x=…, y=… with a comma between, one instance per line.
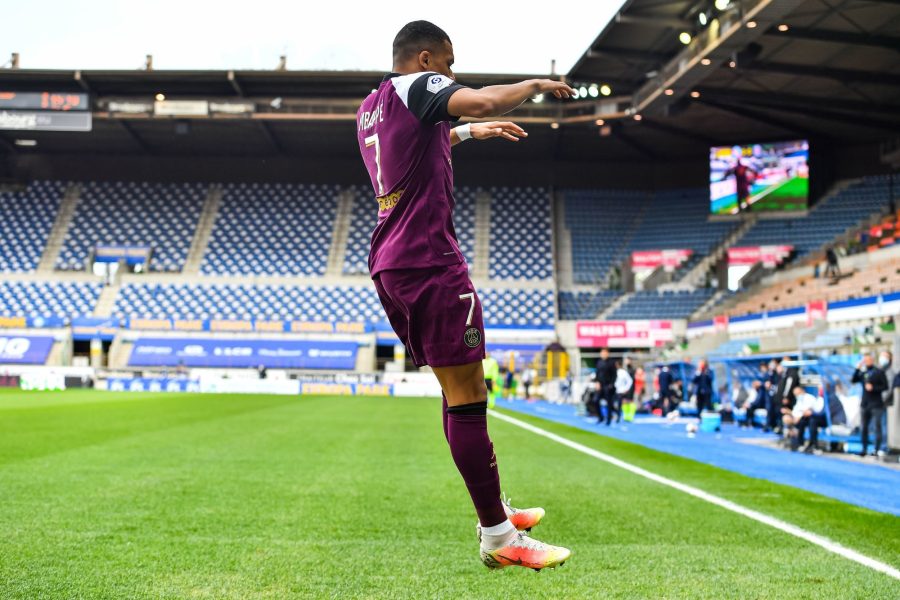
x=63, y=101
x=44, y=111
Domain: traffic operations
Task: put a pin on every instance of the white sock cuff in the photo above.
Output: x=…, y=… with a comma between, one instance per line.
x=499, y=529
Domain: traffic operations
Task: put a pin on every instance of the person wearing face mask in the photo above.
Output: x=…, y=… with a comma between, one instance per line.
x=874, y=384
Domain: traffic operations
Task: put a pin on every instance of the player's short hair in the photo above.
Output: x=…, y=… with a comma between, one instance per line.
x=416, y=36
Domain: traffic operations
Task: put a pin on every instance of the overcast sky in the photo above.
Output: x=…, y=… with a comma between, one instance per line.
x=488, y=37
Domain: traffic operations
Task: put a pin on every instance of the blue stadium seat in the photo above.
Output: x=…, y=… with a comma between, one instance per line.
x=41, y=299
x=26, y=218
x=161, y=215
x=608, y=225
x=601, y=223
x=826, y=221
x=272, y=229
x=662, y=305
x=585, y=305
x=304, y=303
x=520, y=241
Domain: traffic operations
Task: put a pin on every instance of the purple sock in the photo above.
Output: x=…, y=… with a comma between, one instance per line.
x=444, y=416
x=473, y=454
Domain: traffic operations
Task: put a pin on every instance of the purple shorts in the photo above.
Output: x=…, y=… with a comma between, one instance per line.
x=435, y=312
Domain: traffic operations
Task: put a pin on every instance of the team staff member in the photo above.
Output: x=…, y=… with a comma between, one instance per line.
x=874, y=383
x=703, y=388
x=606, y=381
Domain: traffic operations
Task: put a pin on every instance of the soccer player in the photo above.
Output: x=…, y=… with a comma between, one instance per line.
x=420, y=275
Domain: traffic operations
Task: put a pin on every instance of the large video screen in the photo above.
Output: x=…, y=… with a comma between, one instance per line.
x=759, y=177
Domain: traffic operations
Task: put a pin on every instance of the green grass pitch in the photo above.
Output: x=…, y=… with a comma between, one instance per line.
x=108, y=495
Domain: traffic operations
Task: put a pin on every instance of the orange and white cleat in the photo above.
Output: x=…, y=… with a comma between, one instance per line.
x=527, y=552
x=523, y=519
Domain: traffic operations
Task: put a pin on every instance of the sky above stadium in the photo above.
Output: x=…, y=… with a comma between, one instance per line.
x=488, y=37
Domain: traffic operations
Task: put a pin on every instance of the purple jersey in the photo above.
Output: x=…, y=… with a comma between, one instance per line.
x=404, y=136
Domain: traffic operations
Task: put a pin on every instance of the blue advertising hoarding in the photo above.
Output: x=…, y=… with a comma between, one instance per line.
x=240, y=353
x=149, y=384
x=88, y=328
x=25, y=349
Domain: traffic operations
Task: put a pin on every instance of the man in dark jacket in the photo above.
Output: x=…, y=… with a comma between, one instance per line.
x=703, y=388
x=773, y=403
x=606, y=378
x=665, y=390
x=872, y=406
x=783, y=402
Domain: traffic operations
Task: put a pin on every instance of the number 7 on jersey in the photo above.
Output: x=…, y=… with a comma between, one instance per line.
x=372, y=140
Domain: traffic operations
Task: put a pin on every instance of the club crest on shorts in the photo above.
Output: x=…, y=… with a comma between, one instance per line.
x=472, y=337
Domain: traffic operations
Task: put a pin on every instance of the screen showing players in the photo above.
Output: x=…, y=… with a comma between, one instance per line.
x=759, y=177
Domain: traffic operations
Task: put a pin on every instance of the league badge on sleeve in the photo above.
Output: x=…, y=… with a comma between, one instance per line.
x=437, y=82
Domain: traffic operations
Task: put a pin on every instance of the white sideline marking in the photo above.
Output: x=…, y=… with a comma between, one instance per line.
x=818, y=540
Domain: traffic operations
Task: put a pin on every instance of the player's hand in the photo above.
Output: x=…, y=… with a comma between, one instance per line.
x=557, y=88
x=868, y=387
x=504, y=129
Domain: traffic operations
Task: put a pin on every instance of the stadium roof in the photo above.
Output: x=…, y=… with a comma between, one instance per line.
x=779, y=69
x=762, y=68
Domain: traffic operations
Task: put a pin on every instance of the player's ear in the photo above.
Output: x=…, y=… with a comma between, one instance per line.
x=425, y=59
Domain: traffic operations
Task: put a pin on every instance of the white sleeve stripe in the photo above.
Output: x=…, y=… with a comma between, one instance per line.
x=404, y=82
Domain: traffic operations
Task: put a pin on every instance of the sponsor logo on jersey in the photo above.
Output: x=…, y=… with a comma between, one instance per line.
x=386, y=203
x=472, y=337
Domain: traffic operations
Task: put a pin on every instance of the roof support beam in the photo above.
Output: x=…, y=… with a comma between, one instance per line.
x=235, y=84
x=677, y=131
x=82, y=82
x=838, y=37
x=829, y=115
x=760, y=117
x=4, y=143
x=619, y=133
x=627, y=54
x=134, y=136
x=270, y=137
x=843, y=75
x=652, y=21
x=791, y=100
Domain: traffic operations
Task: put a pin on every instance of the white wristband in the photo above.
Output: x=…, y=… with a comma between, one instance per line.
x=464, y=132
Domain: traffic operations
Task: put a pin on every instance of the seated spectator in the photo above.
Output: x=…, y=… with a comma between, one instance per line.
x=756, y=399
x=808, y=411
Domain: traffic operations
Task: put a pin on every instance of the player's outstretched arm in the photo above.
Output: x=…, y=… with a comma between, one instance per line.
x=495, y=100
x=485, y=131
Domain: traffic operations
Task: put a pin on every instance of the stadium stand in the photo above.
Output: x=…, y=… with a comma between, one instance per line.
x=662, y=305
x=464, y=221
x=242, y=302
x=272, y=229
x=306, y=303
x=518, y=307
x=161, y=215
x=827, y=220
x=608, y=225
x=585, y=305
x=600, y=229
x=520, y=244
x=679, y=219
x=363, y=219
x=601, y=226
x=42, y=299
x=880, y=278
x=26, y=218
